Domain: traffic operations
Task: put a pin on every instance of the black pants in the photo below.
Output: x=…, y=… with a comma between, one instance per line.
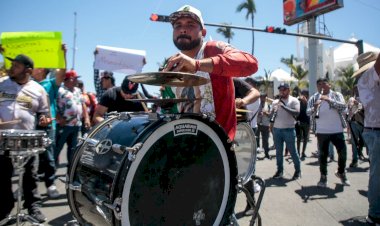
x=31, y=197
x=337, y=139
x=264, y=131
x=302, y=132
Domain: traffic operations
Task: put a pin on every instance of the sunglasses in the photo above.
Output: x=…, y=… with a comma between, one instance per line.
x=106, y=77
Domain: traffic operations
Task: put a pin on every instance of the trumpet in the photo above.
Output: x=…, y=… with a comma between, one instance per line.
x=318, y=107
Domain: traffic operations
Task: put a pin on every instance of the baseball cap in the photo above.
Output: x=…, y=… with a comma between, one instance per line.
x=25, y=60
x=107, y=74
x=129, y=87
x=283, y=85
x=71, y=75
x=187, y=11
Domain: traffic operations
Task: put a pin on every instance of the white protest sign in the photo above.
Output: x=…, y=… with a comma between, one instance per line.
x=128, y=61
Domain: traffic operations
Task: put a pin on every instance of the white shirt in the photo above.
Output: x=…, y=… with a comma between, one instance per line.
x=21, y=102
x=369, y=95
x=284, y=119
x=254, y=107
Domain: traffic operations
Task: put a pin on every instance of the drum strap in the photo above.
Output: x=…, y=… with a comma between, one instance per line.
x=250, y=120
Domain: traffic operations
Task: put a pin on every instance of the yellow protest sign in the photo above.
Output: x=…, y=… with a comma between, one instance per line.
x=45, y=48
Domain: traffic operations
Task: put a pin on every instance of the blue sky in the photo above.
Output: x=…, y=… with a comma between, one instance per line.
x=126, y=24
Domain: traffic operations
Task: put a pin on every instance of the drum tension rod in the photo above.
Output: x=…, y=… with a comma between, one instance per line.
x=115, y=207
x=120, y=149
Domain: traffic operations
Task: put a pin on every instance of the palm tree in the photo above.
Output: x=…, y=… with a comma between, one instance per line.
x=299, y=73
x=287, y=61
x=346, y=82
x=226, y=32
x=250, y=6
x=266, y=81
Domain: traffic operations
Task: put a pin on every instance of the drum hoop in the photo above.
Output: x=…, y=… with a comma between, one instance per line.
x=17, y=133
x=164, y=129
x=71, y=170
x=252, y=165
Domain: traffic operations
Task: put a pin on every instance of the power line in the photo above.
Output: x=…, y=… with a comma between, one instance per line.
x=369, y=6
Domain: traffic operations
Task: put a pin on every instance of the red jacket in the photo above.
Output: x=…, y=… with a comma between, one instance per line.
x=228, y=62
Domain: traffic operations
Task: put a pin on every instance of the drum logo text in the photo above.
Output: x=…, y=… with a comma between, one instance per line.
x=185, y=128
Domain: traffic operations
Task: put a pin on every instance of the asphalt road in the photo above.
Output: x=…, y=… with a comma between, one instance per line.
x=286, y=202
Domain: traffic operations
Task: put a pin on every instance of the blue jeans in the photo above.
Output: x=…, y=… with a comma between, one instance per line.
x=47, y=161
x=69, y=135
x=288, y=136
x=372, y=139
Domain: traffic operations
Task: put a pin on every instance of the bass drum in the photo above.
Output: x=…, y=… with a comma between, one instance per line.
x=147, y=169
x=245, y=150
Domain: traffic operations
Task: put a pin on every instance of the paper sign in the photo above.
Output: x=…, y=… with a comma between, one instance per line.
x=45, y=48
x=128, y=61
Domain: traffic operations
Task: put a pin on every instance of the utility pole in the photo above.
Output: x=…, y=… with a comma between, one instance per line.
x=75, y=39
x=313, y=62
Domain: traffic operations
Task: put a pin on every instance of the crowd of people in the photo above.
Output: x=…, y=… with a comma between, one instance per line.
x=62, y=107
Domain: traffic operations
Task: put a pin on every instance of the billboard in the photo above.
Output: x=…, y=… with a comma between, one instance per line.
x=296, y=11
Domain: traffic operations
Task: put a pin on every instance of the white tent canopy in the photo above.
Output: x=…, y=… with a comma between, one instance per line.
x=280, y=75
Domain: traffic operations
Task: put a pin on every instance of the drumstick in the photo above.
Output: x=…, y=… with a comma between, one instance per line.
x=10, y=122
x=142, y=103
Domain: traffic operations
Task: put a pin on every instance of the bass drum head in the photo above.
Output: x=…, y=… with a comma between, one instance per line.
x=245, y=151
x=185, y=174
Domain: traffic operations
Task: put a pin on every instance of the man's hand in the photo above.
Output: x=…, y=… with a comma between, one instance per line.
x=180, y=62
x=44, y=121
x=240, y=103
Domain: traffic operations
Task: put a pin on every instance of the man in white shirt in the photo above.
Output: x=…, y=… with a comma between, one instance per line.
x=369, y=94
x=329, y=109
x=24, y=100
x=284, y=112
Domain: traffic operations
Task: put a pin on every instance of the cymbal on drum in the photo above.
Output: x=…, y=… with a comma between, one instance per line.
x=179, y=79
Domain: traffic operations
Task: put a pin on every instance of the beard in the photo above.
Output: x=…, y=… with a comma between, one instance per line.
x=187, y=45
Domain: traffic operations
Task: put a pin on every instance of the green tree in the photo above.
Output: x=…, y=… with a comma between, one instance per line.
x=300, y=74
x=266, y=82
x=345, y=81
x=226, y=32
x=287, y=61
x=250, y=6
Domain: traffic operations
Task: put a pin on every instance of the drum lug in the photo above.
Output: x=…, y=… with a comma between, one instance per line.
x=124, y=116
x=92, y=142
x=77, y=187
x=120, y=149
x=115, y=207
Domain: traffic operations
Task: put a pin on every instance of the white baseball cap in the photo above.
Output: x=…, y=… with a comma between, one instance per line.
x=187, y=11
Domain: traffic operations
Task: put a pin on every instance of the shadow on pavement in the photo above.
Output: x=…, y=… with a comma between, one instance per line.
x=355, y=221
x=315, y=163
x=280, y=182
x=315, y=192
x=61, y=220
x=357, y=169
x=363, y=193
